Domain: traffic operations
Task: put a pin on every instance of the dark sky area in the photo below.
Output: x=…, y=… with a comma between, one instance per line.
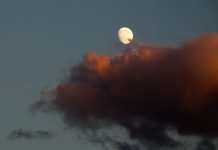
x=40, y=40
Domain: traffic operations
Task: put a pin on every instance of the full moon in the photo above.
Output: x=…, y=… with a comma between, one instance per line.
x=125, y=35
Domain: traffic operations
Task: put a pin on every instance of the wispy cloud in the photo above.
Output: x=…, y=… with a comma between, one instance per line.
x=30, y=135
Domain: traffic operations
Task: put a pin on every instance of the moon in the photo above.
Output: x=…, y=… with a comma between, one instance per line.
x=125, y=35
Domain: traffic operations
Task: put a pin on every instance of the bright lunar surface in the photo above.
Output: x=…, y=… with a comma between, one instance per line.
x=125, y=35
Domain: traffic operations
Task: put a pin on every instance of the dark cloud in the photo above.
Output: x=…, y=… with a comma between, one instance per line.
x=126, y=146
x=32, y=135
x=146, y=90
x=206, y=144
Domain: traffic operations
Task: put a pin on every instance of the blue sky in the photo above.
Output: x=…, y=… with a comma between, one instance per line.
x=40, y=39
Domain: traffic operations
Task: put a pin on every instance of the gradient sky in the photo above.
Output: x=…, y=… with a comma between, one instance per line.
x=40, y=39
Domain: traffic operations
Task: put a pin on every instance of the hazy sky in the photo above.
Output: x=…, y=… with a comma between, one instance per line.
x=40, y=39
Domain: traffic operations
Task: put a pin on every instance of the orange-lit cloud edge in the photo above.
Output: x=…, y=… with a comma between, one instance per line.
x=157, y=86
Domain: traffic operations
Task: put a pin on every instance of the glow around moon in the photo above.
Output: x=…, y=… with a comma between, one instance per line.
x=125, y=35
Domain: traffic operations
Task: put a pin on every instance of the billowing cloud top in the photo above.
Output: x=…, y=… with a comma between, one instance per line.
x=147, y=90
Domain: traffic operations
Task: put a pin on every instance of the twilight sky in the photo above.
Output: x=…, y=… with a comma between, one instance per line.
x=40, y=39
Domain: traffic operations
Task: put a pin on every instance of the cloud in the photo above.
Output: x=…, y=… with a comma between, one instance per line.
x=206, y=144
x=146, y=91
x=32, y=135
x=41, y=105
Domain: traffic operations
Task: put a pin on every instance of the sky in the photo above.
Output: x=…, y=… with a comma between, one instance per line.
x=40, y=40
